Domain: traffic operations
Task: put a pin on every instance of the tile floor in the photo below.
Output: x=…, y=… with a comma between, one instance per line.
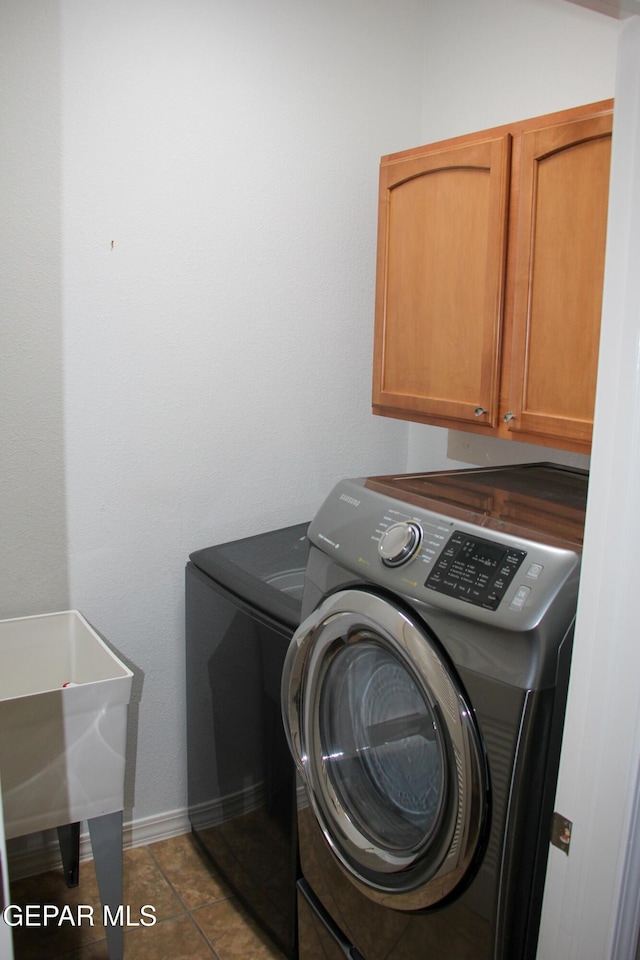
x=197, y=918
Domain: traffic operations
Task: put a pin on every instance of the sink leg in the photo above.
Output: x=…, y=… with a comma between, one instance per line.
x=106, y=843
x=69, y=840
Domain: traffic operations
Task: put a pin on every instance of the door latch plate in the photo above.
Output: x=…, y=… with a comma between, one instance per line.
x=561, y=832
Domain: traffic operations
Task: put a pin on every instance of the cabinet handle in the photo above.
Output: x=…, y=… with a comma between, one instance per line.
x=509, y=416
x=479, y=411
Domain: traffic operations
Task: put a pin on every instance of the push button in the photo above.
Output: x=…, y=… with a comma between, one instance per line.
x=520, y=598
x=535, y=570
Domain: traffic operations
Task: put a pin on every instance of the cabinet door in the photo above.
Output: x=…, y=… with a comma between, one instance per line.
x=440, y=280
x=559, y=267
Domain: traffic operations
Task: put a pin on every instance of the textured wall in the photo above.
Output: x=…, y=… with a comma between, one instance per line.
x=219, y=218
x=33, y=554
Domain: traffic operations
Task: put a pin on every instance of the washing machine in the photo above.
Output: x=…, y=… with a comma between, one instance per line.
x=243, y=602
x=423, y=700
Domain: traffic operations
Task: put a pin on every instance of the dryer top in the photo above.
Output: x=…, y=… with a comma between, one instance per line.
x=545, y=500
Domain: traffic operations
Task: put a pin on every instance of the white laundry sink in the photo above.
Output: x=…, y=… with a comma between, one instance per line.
x=62, y=747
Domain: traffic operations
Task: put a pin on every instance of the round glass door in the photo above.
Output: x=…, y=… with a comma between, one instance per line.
x=388, y=749
x=382, y=746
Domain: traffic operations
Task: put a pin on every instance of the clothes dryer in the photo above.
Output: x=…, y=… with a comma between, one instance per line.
x=423, y=700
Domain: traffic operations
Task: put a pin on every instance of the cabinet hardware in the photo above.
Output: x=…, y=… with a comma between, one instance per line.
x=479, y=411
x=509, y=416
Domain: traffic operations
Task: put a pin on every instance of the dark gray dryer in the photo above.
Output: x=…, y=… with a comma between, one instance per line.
x=423, y=696
x=243, y=602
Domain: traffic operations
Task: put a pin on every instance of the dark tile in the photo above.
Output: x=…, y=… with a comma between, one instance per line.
x=233, y=934
x=175, y=939
x=144, y=884
x=45, y=942
x=91, y=951
x=172, y=876
x=191, y=875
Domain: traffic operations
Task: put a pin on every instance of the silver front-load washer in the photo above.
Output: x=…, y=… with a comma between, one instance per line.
x=423, y=701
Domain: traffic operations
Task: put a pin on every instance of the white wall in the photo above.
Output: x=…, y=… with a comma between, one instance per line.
x=219, y=185
x=33, y=554
x=493, y=62
x=496, y=61
x=189, y=194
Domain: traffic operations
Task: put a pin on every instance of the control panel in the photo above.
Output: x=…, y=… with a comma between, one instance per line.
x=457, y=564
x=503, y=575
x=475, y=570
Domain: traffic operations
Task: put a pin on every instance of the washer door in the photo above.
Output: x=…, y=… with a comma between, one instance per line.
x=388, y=749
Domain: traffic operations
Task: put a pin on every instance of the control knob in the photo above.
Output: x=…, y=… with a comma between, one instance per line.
x=399, y=543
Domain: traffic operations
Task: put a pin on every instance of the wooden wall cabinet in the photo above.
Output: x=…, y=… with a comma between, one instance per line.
x=489, y=279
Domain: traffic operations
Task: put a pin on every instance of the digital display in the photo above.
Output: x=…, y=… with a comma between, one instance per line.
x=486, y=554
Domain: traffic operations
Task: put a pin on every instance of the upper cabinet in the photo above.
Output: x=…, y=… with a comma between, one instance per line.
x=489, y=279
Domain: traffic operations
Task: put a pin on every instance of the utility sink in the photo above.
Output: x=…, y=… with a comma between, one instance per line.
x=63, y=722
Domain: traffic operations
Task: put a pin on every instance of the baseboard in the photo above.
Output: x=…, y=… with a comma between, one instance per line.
x=211, y=813
x=38, y=852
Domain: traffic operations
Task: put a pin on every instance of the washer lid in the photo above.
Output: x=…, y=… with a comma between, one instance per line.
x=388, y=748
x=266, y=570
